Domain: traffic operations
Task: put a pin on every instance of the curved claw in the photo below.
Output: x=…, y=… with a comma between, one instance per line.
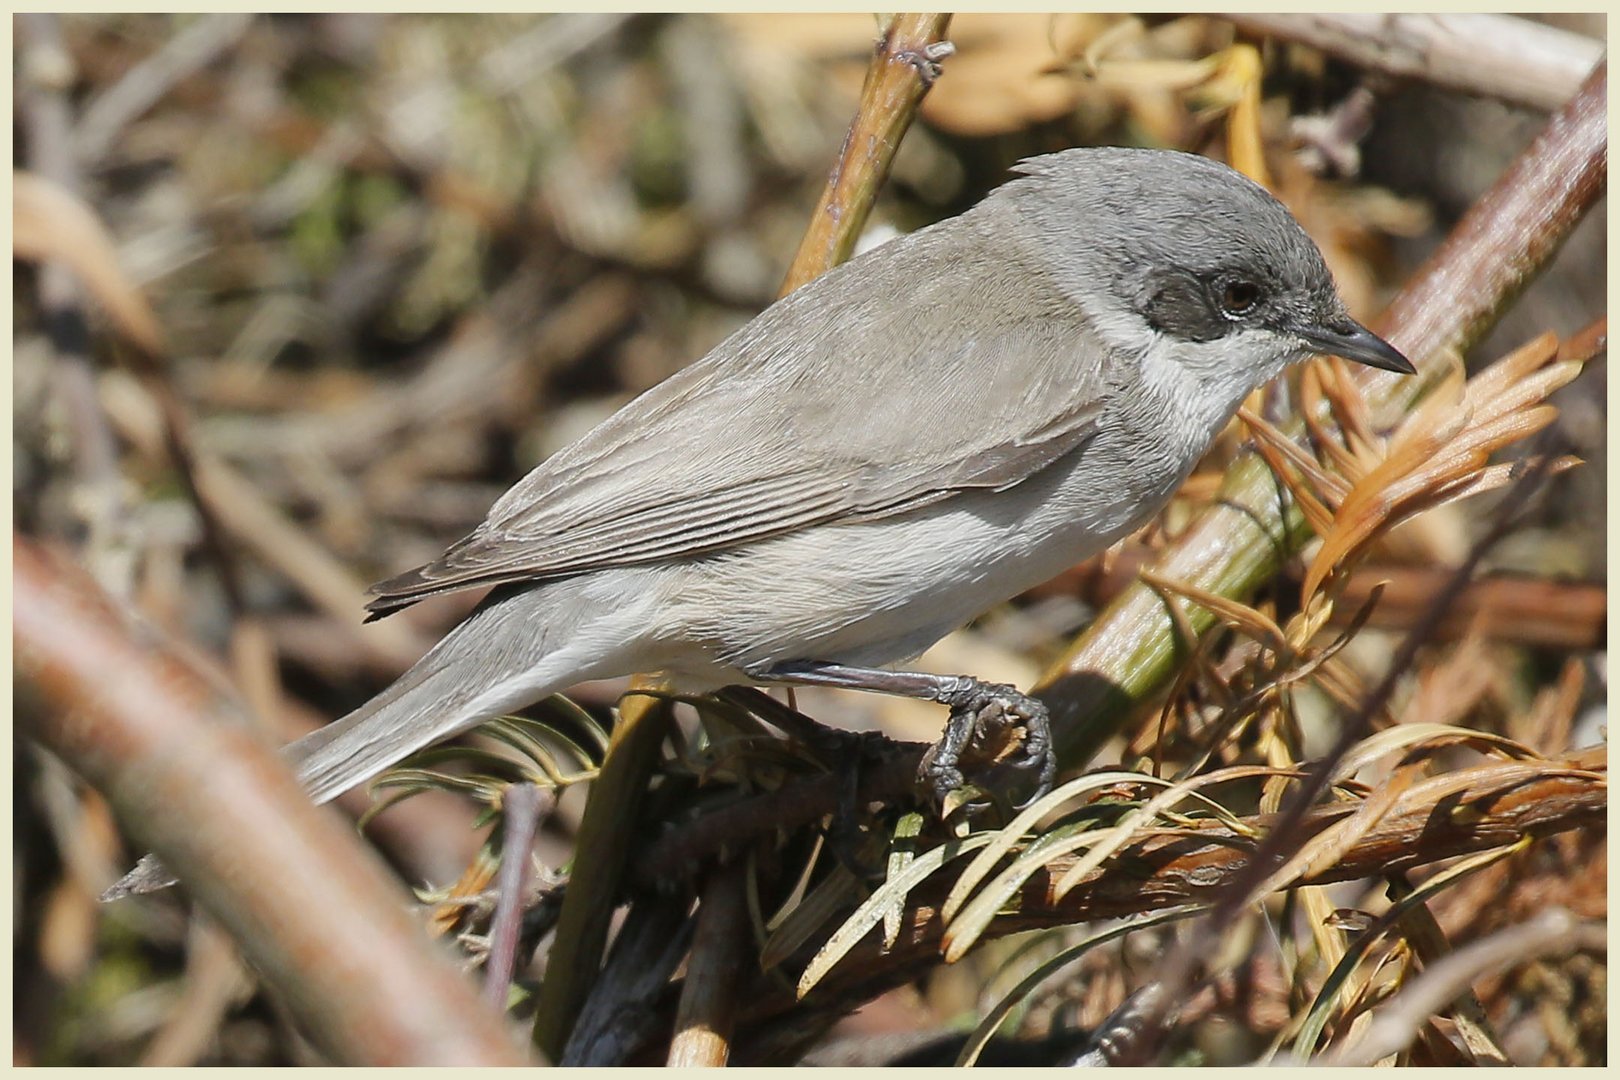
x=975, y=705
x=945, y=781
x=1047, y=762
x=1038, y=754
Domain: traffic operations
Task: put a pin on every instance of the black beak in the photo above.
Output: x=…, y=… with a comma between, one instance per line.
x=1355, y=342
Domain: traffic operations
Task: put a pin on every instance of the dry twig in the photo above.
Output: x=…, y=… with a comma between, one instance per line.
x=904, y=67
x=524, y=807
x=1499, y=56
x=317, y=915
x=709, y=996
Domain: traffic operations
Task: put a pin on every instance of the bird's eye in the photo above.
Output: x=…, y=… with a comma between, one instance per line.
x=1239, y=297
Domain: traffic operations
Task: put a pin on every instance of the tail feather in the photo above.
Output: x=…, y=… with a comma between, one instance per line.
x=441, y=696
x=509, y=652
x=513, y=650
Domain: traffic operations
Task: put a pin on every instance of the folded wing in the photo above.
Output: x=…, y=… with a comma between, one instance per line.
x=825, y=409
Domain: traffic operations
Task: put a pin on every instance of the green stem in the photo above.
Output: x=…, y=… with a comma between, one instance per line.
x=606, y=833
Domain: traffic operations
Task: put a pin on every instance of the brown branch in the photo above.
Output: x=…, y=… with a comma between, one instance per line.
x=1485, y=807
x=901, y=72
x=1499, y=56
x=1488, y=806
x=1506, y=238
x=318, y=917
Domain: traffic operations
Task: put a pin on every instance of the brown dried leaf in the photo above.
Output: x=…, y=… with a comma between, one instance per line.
x=1328, y=847
x=1348, y=453
x=1440, y=454
x=50, y=222
x=1256, y=624
x=1349, y=404
x=1239, y=75
x=1268, y=436
x=1513, y=367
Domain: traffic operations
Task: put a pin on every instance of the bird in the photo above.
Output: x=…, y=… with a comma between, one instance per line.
x=892, y=449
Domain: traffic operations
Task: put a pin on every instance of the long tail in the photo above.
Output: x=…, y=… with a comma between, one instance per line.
x=513, y=650
x=494, y=662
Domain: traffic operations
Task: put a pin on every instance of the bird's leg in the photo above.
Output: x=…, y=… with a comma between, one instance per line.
x=976, y=707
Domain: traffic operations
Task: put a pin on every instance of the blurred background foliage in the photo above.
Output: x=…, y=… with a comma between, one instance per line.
x=400, y=259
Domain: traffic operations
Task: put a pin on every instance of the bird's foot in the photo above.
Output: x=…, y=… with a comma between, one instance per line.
x=980, y=711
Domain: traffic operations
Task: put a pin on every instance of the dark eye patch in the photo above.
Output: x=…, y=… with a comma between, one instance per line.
x=1203, y=307
x=1180, y=305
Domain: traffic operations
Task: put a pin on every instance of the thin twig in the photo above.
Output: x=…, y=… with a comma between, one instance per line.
x=902, y=71
x=523, y=807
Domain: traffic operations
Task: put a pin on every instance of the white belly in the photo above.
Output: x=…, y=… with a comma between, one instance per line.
x=878, y=592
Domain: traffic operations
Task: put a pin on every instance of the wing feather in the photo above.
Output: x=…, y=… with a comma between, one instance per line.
x=777, y=431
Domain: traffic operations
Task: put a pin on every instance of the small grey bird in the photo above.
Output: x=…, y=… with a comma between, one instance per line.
x=908, y=440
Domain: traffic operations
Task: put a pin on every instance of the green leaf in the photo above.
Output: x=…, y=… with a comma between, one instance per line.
x=871, y=912
x=902, y=853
